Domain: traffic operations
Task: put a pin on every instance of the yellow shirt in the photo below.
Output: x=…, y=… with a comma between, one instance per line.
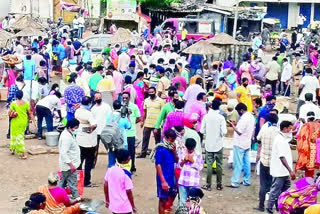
x=245, y=97
x=153, y=109
x=184, y=34
x=106, y=85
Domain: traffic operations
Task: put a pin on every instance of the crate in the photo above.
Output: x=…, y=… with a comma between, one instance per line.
x=4, y=94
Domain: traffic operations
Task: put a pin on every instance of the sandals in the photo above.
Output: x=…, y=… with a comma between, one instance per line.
x=12, y=152
x=206, y=187
x=91, y=185
x=23, y=157
x=219, y=187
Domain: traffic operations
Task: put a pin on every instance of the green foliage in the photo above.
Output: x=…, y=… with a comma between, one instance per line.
x=157, y=3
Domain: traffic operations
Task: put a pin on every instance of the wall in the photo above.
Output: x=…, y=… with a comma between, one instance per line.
x=279, y=11
x=40, y=8
x=4, y=9
x=217, y=20
x=293, y=13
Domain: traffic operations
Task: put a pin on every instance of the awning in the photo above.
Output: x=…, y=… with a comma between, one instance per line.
x=69, y=6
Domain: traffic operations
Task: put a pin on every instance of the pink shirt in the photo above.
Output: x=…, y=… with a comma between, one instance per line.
x=60, y=196
x=198, y=109
x=118, y=183
x=118, y=81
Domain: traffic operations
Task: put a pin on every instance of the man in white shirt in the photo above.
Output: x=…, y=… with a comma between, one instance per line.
x=123, y=61
x=281, y=164
x=266, y=136
x=213, y=142
x=81, y=23
x=272, y=76
x=44, y=109
x=86, y=138
x=100, y=111
x=286, y=77
x=243, y=132
x=69, y=158
x=300, y=22
x=309, y=106
x=308, y=84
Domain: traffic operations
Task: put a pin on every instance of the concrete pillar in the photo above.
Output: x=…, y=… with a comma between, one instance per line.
x=293, y=13
x=312, y=13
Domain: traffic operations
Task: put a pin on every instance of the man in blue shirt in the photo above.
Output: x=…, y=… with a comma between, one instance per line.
x=123, y=123
x=59, y=50
x=165, y=158
x=265, y=110
x=29, y=67
x=195, y=64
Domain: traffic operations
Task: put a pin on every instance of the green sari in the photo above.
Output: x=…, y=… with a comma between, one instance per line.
x=18, y=127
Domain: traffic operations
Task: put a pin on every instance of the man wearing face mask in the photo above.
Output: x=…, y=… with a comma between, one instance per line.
x=264, y=112
x=87, y=132
x=152, y=108
x=131, y=133
x=243, y=94
x=99, y=111
x=286, y=77
x=167, y=108
x=243, y=132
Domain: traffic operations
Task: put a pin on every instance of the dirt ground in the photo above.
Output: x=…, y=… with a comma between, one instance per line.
x=20, y=178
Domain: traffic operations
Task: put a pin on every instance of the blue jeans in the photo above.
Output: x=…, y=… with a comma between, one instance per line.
x=70, y=116
x=80, y=32
x=241, y=162
x=112, y=159
x=183, y=194
x=44, y=112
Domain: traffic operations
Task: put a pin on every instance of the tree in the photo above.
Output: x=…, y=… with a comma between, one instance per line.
x=157, y=3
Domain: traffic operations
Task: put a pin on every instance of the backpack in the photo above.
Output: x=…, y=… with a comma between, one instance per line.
x=111, y=135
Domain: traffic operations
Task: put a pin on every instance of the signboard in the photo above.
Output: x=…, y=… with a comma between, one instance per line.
x=205, y=27
x=116, y=9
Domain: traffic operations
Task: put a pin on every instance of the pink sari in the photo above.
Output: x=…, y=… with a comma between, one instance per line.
x=139, y=86
x=314, y=57
x=11, y=78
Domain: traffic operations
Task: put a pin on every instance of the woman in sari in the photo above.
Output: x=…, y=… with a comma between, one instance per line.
x=222, y=91
x=314, y=56
x=306, y=146
x=19, y=112
x=58, y=201
x=10, y=79
x=140, y=88
x=35, y=204
x=300, y=196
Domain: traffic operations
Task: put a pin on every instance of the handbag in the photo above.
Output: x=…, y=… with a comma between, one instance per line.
x=12, y=114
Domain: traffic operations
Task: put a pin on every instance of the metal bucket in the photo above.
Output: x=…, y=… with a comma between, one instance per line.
x=52, y=138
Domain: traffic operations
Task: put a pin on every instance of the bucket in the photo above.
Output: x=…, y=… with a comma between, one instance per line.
x=52, y=138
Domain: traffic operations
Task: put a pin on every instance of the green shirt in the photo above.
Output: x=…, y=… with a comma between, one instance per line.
x=133, y=117
x=94, y=80
x=185, y=74
x=167, y=108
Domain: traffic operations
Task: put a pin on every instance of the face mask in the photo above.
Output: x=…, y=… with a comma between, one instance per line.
x=88, y=107
x=98, y=101
x=75, y=132
x=57, y=89
x=245, y=84
x=270, y=105
x=152, y=96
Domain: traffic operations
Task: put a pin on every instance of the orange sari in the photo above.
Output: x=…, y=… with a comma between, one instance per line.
x=52, y=207
x=306, y=146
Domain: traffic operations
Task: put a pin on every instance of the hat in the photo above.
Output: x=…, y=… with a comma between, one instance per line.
x=268, y=86
x=124, y=49
x=53, y=177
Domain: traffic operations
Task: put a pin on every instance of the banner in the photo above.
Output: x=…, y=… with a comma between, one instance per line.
x=69, y=6
x=117, y=9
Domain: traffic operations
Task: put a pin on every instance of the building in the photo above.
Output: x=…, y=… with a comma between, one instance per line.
x=287, y=11
x=38, y=8
x=5, y=6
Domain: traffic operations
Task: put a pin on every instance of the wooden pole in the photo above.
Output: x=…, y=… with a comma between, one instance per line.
x=235, y=21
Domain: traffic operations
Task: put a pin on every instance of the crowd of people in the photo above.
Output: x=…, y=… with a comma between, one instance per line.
x=186, y=101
